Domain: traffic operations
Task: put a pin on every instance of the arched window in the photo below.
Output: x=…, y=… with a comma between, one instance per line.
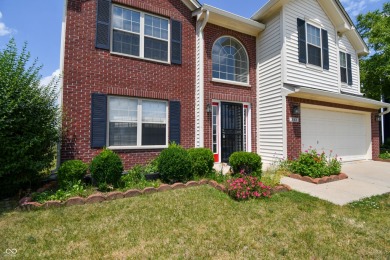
x=230, y=60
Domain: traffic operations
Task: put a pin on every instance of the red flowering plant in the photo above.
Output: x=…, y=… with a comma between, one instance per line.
x=247, y=187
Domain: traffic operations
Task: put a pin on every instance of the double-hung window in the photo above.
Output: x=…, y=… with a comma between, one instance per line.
x=137, y=122
x=140, y=34
x=346, y=68
x=314, y=45
x=343, y=67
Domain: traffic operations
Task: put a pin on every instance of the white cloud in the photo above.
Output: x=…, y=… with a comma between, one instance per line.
x=4, y=30
x=46, y=80
x=356, y=7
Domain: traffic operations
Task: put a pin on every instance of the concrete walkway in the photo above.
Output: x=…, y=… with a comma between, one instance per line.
x=366, y=179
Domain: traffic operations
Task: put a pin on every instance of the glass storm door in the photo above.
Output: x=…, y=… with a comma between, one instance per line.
x=231, y=129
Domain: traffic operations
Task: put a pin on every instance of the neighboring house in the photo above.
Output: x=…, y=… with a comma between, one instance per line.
x=140, y=74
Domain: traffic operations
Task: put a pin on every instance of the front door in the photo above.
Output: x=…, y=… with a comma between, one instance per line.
x=231, y=129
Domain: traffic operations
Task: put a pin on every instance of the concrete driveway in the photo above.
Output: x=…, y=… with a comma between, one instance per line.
x=366, y=179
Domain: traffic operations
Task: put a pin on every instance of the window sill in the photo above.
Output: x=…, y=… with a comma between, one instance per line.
x=137, y=147
x=139, y=58
x=231, y=82
x=314, y=67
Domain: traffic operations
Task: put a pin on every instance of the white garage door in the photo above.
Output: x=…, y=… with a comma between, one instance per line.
x=346, y=132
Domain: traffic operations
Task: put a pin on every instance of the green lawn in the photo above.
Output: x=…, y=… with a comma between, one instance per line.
x=202, y=222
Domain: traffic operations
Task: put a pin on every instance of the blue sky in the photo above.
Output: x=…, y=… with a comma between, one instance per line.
x=38, y=22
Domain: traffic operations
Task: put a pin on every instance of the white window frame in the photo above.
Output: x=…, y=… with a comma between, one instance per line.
x=139, y=125
x=346, y=67
x=233, y=82
x=307, y=45
x=247, y=117
x=141, y=34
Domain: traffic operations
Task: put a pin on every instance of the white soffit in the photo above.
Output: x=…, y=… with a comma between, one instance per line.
x=232, y=21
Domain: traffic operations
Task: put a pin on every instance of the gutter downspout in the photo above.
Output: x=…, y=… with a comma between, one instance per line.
x=61, y=83
x=199, y=81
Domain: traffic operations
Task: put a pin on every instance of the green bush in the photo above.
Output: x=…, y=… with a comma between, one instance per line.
x=315, y=165
x=106, y=168
x=151, y=167
x=246, y=162
x=76, y=189
x=134, y=175
x=202, y=161
x=29, y=121
x=70, y=172
x=385, y=155
x=174, y=164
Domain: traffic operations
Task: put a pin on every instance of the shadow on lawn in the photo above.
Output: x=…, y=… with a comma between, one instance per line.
x=8, y=205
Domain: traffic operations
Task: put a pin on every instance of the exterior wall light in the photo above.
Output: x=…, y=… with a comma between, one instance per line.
x=208, y=109
x=296, y=110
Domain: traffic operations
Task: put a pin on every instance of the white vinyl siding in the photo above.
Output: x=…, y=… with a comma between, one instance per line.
x=270, y=106
x=301, y=74
x=345, y=46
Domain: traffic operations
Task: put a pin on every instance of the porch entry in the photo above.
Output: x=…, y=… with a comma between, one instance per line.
x=229, y=129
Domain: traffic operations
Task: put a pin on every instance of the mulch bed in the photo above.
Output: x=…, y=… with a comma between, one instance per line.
x=326, y=179
x=26, y=203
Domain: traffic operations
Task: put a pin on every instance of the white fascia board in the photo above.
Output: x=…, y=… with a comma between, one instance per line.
x=231, y=21
x=338, y=98
x=192, y=4
x=268, y=9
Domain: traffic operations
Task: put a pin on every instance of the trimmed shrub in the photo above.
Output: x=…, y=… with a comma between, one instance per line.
x=71, y=172
x=106, y=168
x=202, y=161
x=246, y=162
x=174, y=164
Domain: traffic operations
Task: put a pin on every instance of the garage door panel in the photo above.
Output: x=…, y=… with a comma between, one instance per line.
x=346, y=133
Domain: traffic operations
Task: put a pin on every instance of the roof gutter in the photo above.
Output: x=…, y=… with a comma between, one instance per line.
x=339, y=98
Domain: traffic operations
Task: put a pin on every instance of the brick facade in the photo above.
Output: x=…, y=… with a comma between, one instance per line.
x=88, y=70
x=228, y=92
x=294, y=144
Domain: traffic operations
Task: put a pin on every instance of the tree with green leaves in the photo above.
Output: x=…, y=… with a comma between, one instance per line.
x=375, y=69
x=29, y=120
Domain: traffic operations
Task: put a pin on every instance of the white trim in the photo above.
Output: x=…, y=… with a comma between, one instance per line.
x=199, y=79
x=61, y=83
x=309, y=65
x=247, y=117
x=141, y=35
x=284, y=45
x=247, y=58
x=139, y=124
x=230, y=82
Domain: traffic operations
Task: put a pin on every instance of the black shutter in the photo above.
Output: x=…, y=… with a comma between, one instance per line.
x=325, y=49
x=301, y=40
x=349, y=69
x=174, y=121
x=98, y=120
x=103, y=24
x=176, y=42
